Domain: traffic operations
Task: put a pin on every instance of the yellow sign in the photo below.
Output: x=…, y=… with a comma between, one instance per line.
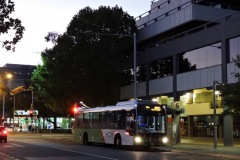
x=154, y=108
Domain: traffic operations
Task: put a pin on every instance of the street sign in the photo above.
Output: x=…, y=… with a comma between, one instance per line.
x=177, y=105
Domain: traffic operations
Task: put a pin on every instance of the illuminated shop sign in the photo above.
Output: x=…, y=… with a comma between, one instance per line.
x=24, y=113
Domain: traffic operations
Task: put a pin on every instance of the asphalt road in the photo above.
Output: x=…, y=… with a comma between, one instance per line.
x=38, y=148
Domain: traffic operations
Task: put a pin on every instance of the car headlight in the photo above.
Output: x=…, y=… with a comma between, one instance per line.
x=138, y=139
x=164, y=140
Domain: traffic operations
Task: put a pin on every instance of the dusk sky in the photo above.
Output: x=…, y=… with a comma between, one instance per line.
x=42, y=16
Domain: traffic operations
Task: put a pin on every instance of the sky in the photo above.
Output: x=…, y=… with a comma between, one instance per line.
x=42, y=16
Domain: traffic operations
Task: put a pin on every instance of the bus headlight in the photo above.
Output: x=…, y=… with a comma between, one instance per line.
x=138, y=139
x=164, y=140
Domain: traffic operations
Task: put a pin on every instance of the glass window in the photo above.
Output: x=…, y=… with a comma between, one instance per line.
x=203, y=126
x=111, y=124
x=162, y=68
x=141, y=73
x=95, y=120
x=200, y=58
x=151, y=124
x=87, y=120
x=234, y=45
x=103, y=119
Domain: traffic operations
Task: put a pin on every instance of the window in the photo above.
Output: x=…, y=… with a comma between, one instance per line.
x=200, y=58
x=234, y=46
x=95, y=120
x=162, y=68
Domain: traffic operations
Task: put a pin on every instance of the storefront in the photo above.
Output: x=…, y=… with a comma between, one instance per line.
x=197, y=119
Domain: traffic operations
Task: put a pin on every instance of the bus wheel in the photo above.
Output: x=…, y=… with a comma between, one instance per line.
x=118, y=141
x=85, y=138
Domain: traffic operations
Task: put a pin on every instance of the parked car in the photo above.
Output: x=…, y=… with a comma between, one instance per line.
x=3, y=134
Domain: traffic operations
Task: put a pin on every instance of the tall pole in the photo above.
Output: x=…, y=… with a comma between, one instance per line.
x=8, y=76
x=3, y=105
x=14, y=104
x=135, y=65
x=214, y=115
x=32, y=99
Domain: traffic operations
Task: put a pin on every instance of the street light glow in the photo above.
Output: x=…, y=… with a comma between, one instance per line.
x=9, y=75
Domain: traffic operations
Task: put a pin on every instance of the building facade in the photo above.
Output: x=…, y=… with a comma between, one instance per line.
x=185, y=47
x=21, y=77
x=20, y=74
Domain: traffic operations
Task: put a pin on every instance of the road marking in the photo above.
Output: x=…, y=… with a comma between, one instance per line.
x=12, y=145
x=17, y=145
x=93, y=155
x=3, y=156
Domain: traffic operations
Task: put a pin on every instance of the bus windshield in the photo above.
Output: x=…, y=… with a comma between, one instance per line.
x=151, y=119
x=151, y=124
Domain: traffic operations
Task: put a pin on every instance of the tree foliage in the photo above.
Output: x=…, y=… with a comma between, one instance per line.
x=86, y=63
x=8, y=23
x=231, y=94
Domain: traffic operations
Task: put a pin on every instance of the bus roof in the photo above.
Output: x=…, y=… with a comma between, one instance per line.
x=125, y=105
x=137, y=102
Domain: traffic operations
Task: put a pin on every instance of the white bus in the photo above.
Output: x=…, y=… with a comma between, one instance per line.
x=130, y=123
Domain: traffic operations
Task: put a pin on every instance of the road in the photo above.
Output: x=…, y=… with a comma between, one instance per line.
x=26, y=148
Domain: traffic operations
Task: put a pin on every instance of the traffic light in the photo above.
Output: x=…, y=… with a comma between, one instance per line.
x=75, y=110
x=3, y=119
x=31, y=113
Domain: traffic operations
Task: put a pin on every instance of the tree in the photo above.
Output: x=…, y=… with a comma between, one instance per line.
x=231, y=94
x=86, y=67
x=7, y=23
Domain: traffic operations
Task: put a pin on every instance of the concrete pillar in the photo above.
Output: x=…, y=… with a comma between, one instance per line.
x=190, y=125
x=228, y=131
x=148, y=77
x=175, y=71
x=227, y=120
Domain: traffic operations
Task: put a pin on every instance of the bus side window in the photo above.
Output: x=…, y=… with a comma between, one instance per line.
x=119, y=119
x=87, y=120
x=95, y=120
x=130, y=122
x=111, y=122
x=103, y=120
x=80, y=120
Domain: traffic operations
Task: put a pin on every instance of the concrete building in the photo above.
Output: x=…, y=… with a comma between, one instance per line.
x=186, y=48
x=20, y=74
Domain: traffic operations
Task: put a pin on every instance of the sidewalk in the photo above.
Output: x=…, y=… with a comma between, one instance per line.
x=205, y=147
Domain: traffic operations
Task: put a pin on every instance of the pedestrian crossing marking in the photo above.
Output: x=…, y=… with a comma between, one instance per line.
x=13, y=145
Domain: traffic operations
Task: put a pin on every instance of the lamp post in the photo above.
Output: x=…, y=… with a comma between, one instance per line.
x=7, y=76
x=134, y=56
x=215, y=113
x=14, y=108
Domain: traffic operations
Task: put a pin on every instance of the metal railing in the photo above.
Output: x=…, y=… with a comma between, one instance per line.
x=193, y=30
x=210, y=3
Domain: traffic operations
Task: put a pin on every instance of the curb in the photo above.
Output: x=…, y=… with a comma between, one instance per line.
x=215, y=155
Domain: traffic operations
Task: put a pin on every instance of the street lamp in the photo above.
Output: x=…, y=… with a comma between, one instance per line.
x=7, y=76
x=134, y=56
x=214, y=113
